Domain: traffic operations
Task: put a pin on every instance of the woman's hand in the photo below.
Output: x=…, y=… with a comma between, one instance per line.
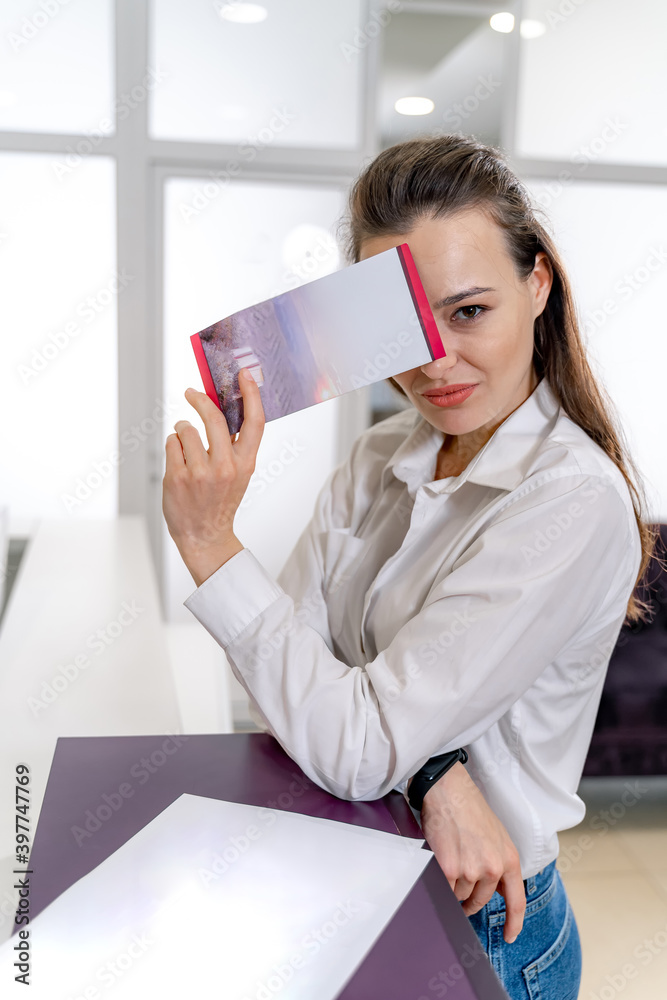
x=203, y=489
x=473, y=847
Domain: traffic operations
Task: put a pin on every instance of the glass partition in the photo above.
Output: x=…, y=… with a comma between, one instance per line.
x=251, y=240
x=592, y=84
x=612, y=239
x=58, y=380
x=56, y=70
x=291, y=78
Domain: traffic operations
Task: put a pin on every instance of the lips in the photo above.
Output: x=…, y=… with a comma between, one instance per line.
x=445, y=390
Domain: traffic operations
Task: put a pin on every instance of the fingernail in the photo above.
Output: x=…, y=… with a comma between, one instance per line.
x=512, y=939
x=247, y=375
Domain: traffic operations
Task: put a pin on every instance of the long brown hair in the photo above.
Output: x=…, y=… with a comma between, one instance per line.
x=439, y=175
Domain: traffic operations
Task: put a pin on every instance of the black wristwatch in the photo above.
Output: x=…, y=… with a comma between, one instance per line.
x=427, y=775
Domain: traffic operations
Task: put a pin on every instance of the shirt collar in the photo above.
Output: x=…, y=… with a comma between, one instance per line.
x=502, y=463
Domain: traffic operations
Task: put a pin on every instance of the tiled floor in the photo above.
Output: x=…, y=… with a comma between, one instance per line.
x=614, y=866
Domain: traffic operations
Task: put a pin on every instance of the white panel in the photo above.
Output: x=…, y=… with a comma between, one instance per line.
x=200, y=673
x=226, y=247
x=58, y=380
x=613, y=241
x=592, y=87
x=56, y=69
x=291, y=80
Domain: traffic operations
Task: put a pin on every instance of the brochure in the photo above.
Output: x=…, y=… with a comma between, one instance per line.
x=359, y=325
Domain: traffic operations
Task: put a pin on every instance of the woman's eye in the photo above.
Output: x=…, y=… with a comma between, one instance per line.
x=469, y=312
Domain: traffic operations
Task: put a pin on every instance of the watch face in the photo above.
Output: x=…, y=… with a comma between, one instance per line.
x=437, y=766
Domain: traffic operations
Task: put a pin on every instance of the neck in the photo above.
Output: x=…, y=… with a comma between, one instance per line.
x=457, y=451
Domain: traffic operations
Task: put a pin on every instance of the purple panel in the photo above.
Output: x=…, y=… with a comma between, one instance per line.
x=136, y=777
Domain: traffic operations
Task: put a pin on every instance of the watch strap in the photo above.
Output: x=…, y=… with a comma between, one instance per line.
x=432, y=770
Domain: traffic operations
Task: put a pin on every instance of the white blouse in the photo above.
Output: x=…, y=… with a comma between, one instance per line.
x=416, y=616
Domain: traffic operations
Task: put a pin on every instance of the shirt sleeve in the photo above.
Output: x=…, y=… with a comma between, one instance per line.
x=489, y=627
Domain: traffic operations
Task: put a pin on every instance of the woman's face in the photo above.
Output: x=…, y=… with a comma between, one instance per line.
x=485, y=315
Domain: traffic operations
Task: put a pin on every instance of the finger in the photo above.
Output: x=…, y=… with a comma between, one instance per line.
x=446, y=850
x=193, y=447
x=217, y=431
x=451, y=878
x=463, y=889
x=174, y=453
x=511, y=887
x=480, y=895
x=252, y=427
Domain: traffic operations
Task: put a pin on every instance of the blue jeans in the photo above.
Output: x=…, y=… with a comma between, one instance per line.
x=544, y=963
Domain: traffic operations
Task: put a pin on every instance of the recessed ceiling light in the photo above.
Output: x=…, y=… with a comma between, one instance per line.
x=244, y=13
x=414, y=106
x=532, y=29
x=502, y=22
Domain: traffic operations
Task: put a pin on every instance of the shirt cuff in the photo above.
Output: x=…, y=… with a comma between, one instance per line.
x=232, y=597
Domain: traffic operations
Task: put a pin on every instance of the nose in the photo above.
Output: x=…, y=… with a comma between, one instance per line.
x=436, y=368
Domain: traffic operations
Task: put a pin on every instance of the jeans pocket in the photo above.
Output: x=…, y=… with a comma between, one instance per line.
x=556, y=973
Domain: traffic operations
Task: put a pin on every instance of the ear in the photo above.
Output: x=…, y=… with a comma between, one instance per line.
x=540, y=281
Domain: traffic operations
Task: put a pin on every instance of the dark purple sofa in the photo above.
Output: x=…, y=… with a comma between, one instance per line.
x=630, y=736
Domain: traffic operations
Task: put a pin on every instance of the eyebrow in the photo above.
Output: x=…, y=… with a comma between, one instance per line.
x=451, y=300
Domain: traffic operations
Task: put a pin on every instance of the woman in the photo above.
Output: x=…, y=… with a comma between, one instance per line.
x=466, y=571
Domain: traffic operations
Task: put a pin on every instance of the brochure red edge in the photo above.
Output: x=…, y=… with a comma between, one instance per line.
x=426, y=318
x=204, y=370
